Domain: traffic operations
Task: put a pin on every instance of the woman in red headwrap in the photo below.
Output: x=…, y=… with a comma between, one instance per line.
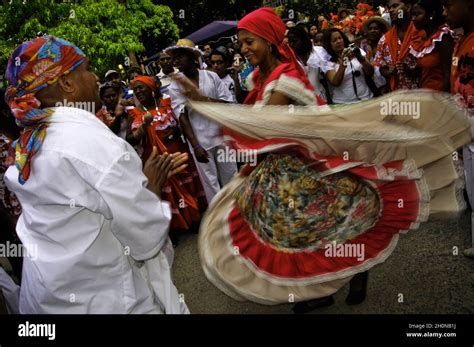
x=312, y=212
x=154, y=125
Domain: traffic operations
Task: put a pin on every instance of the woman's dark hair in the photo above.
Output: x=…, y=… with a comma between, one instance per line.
x=7, y=121
x=327, y=42
x=302, y=36
x=275, y=51
x=433, y=8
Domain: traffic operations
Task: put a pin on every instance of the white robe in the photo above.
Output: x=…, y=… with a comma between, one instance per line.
x=92, y=221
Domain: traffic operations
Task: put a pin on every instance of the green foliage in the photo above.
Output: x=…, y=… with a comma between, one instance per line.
x=107, y=30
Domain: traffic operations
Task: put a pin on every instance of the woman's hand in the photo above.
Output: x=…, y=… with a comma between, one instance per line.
x=201, y=155
x=148, y=119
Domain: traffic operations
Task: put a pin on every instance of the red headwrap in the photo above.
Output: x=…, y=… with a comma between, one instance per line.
x=265, y=23
x=147, y=80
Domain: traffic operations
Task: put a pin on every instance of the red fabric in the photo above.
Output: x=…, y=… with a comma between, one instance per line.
x=306, y=264
x=288, y=69
x=147, y=80
x=184, y=191
x=412, y=34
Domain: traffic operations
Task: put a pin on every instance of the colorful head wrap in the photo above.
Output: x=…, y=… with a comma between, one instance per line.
x=147, y=80
x=265, y=23
x=33, y=66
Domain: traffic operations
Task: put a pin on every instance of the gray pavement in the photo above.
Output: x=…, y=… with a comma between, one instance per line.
x=422, y=268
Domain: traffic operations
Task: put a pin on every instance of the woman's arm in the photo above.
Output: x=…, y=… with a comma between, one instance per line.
x=336, y=77
x=278, y=98
x=366, y=65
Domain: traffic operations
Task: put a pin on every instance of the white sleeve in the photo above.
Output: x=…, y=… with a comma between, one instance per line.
x=223, y=93
x=328, y=66
x=178, y=100
x=140, y=220
x=378, y=78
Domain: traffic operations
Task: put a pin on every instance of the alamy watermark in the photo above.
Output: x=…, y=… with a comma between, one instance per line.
x=346, y=250
x=400, y=108
x=84, y=105
x=230, y=155
x=13, y=250
x=37, y=330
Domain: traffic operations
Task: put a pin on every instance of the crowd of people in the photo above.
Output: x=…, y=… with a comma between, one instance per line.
x=148, y=162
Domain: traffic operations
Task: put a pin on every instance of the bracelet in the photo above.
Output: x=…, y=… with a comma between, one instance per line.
x=197, y=146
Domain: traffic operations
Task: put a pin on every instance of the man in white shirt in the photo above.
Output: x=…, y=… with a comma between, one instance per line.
x=205, y=135
x=220, y=64
x=87, y=211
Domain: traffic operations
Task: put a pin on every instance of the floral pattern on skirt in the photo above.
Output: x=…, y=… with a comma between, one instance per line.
x=290, y=206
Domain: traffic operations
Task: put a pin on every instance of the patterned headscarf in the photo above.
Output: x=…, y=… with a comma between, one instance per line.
x=33, y=66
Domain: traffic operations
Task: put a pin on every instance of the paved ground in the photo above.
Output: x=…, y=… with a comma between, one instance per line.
x=422, y=268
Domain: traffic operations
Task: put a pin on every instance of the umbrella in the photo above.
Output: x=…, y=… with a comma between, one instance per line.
x=212, y=30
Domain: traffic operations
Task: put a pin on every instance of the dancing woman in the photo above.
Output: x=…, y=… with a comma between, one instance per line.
x=327, y=184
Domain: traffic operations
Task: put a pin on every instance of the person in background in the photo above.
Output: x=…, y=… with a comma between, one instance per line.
x=167, y=69
x=460, y=14
x=221, y=65
x=318, y=39
x=393, y=56
x=113, y=76
x=347, y=70
x=10, y=208
x=372, y=29
x=300, y=42
x=112, y=112
x=433, y=51
x=203, y=135
x=155, y=125
x=206, y=57
x=133, y=72
x=313, y=31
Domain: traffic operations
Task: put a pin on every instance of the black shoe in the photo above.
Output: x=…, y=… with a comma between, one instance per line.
x=174, y=239
x=358, y=289
x=311, y=305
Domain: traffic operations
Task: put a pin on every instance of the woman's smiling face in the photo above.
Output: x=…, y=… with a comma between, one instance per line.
x=253, y=47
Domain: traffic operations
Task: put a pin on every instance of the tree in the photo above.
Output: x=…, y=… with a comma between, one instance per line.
x=108, y=31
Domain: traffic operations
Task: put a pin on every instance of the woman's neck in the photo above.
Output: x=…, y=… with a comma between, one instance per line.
x=267, y=66
x=150, y=104
x=430, y=30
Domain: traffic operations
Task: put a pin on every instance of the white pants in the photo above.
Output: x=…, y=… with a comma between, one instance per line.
x=216, y=173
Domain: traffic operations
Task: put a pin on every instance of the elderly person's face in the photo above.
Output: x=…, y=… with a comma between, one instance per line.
x=85, y=84
x=142, y=92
